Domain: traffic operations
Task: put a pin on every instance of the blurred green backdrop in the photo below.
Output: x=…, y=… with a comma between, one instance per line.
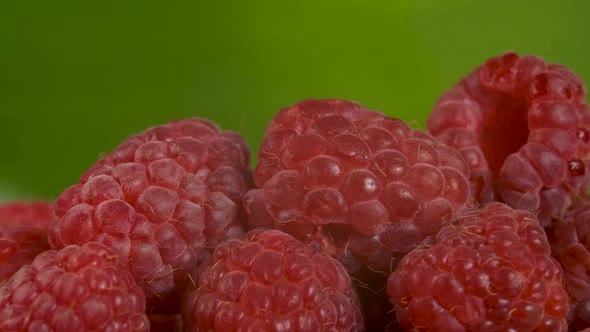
x=76, y=78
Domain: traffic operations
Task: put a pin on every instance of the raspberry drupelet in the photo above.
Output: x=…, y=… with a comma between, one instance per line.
x=269, y=281
x=353, y=182
x=489, y=270
x=523, y=127
x=74, y=289
x=161, y=200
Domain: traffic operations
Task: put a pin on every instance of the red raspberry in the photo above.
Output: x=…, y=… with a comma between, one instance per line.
x=570, y=244
x=23, y=234
x=523, y=126
x=73, y=289
x=269, y=281
x=19, y=245
x=161, y=200
x=490, y=270
x=360, y=185
x=33, y=213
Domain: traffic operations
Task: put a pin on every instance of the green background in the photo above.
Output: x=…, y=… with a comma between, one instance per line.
x=76, y=78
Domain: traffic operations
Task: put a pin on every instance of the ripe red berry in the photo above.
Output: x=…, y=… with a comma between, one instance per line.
x=23, y=234
x=19, y=245
x=269, y=281
x=73, y=289
x=522, y=125
x=570, y=244
x=490, y=270
x=32, y=213
x=356, y=183
x=161, y=201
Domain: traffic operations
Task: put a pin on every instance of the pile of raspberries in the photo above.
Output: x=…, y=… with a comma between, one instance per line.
x=351, y=220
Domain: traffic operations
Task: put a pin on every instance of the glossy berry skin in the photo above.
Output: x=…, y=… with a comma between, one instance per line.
x=73, y=289
x=32, y=213
x=269, y=281
x=524, y=128
x=490, y=270
x=19, y=245
x=161, y=200
x=353, y=182
x=570, y=244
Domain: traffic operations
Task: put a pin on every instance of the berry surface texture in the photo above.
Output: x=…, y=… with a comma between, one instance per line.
x=348, y=219
x=160, y=200
x=354, y=182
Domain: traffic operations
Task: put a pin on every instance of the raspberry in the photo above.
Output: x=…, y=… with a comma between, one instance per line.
x=523, y=126
x=490, y=270
x=354, y=182
x=23, y=234
x=19, y=245
x=269, y=281
x=34, y=213
x=73, y=289
x=570, y=244
x=161, y=201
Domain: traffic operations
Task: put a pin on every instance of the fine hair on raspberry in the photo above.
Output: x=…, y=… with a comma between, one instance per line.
x=161, y=200
x=78, y=288
x=490, y=270
x=523, y=126
x=360, y=185
x=270, y=281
